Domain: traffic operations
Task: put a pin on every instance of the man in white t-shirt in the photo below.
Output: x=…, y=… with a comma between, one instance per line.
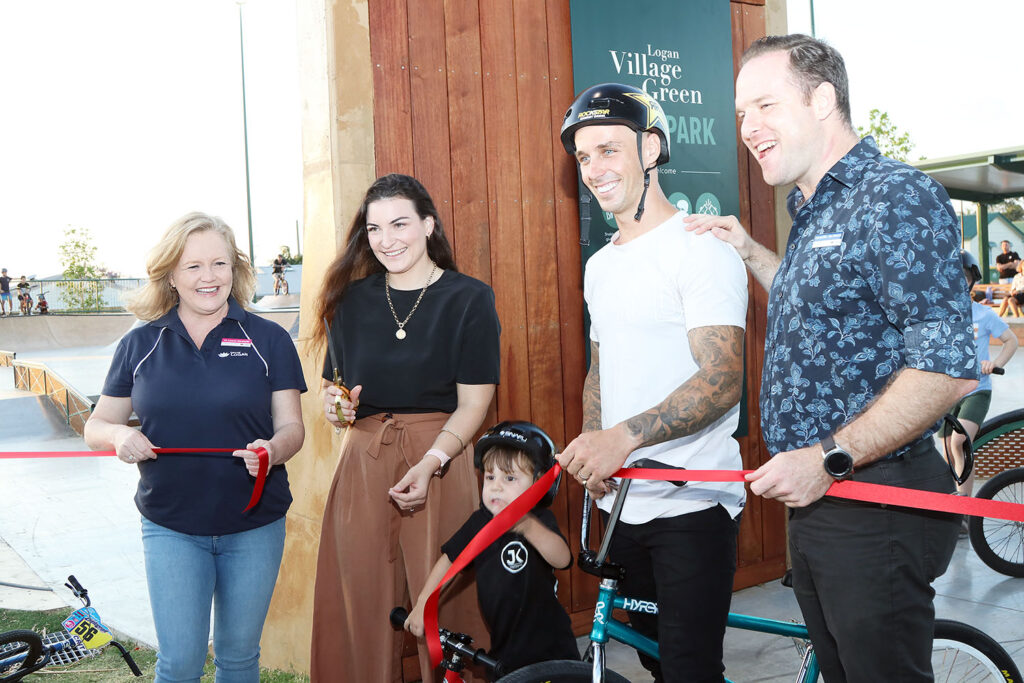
x=668, y=310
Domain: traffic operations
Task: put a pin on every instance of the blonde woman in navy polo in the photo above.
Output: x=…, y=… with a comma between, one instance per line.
x=204, y=373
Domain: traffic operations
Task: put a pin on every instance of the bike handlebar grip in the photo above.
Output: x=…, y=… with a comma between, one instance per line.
x=496, y=668
x=398, y=617
x=998, y=371
x=74, y=584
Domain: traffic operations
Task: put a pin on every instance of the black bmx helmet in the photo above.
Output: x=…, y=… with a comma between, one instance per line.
x=971, y=267
x=528, y=438
x=616, y=103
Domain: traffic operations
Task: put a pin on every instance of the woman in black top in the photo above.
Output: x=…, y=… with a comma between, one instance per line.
x=417, y=342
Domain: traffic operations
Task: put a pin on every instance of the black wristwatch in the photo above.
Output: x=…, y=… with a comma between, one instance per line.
x=838, y=463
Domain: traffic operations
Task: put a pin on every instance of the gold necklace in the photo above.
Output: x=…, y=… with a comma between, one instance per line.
x=400, y=333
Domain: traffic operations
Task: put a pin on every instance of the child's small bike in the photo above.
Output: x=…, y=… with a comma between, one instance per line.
x=23, y=652
x=458, y=651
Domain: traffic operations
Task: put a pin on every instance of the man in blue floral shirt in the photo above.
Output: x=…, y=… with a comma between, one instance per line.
x=869, y=342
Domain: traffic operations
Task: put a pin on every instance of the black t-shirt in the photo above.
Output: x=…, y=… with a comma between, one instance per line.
x=279, y=264
x=516, y=590
x=5, y=284
x=452, y=337
x=1003, y=263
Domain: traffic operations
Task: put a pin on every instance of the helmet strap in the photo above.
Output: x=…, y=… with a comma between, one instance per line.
x=584, y=210
x=643, y=197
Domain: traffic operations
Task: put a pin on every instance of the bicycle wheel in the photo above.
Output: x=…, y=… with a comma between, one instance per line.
x=998, y=542
x=557, y=672
x=963, y=654
x=23, y=646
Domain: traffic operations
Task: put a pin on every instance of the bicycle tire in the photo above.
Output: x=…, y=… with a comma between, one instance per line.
x=16, y=643
x=561, y=671
x=999, y=542
x=963, y=654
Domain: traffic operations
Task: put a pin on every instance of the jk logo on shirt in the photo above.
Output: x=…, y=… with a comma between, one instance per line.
x=513, y=557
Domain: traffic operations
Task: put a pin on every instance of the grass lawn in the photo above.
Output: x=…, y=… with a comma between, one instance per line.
x=108, y=666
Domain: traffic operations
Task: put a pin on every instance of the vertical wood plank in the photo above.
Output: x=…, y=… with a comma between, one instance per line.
x=466, y=114
x=428, y=87
x=389, y=52
x=505, y=216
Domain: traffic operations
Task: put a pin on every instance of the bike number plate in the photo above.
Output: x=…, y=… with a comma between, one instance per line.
x=85, y=624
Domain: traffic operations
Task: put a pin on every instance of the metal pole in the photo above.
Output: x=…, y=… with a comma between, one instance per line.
x=298, y=245
x=245, y=135
x=813, y=34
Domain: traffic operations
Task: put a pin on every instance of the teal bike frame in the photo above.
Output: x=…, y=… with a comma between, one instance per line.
x=606, y=627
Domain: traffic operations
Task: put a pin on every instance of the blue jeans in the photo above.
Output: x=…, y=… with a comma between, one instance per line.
x=186, y=574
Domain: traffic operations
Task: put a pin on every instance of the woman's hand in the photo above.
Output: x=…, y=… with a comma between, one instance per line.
x=335, y=402
x=252, y=460
x=131, y=445
x=411, y=490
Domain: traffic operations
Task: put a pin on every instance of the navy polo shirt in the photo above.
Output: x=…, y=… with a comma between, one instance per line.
x=217, y=396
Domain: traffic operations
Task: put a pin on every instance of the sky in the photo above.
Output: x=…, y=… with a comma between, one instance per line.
x=119, y=116
x=946, y=71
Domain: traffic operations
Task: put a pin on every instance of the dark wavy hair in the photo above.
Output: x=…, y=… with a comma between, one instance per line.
x=357, y=259
x=813, y=62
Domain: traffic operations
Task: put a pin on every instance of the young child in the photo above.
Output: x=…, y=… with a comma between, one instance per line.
x=41, y=305
x=514, y=575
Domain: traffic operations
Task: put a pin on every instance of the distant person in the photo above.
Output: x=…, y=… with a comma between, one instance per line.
x=204, y=373
x=280, y=284
x=41, y=306
x=515, y=581
x=1015, y=299
x=25, y=300
x=5, y=294
x=972, y=408
x=1007, y=263
x=23, y=284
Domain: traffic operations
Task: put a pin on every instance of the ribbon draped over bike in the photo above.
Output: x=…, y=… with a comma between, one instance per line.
x=850, y=490
x=257, y=489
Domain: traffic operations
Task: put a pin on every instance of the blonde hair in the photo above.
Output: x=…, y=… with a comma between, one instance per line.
x=504, y=458
x=157, y=297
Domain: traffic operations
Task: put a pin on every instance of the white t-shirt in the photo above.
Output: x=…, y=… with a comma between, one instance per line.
x=643, y=297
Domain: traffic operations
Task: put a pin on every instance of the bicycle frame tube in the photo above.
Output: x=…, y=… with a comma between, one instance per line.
x=809, y=667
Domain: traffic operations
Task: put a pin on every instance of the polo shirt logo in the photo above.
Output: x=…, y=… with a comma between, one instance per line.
x=514, y=556
x=227, y=341
x=225, y=354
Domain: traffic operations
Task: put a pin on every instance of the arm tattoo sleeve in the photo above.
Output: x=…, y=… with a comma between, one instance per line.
x=592, y=393
x=705, y=397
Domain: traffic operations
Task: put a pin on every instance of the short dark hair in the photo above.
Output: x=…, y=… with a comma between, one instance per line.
x=504, y=458
x=813, y=62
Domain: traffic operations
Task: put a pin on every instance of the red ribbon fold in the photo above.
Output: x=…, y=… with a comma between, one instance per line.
x=257, y=489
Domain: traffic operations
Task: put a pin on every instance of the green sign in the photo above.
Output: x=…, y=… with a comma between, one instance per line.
x=679, y=53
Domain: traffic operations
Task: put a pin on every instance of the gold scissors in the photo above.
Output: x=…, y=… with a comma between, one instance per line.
x=337, y=380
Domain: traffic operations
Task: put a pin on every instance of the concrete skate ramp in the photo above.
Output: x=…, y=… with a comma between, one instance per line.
x=277, y=301
x=53, y=331
x=34, y=420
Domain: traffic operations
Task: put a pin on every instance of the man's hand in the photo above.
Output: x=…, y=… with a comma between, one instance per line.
x=593, y=457
x=796, y=478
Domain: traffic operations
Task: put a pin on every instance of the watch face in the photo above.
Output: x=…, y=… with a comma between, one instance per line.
x=838, y=463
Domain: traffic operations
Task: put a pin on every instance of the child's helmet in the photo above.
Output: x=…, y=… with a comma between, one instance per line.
x=528, y=438
x=970, y=266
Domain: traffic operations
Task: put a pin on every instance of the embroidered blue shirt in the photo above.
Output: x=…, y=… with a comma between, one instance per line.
x=870, y=283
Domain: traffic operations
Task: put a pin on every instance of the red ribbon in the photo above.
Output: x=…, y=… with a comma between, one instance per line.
x=851, y=490
x=257, y=489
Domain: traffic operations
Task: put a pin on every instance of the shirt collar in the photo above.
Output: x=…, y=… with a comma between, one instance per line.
x=172, y=320
x=847, y=171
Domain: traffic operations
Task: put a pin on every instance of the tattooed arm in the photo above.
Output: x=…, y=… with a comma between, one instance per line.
x=592, y=393
x=703, y=398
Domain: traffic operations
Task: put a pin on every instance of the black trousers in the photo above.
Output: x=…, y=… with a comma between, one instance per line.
x=687, y=564
x=862, y=574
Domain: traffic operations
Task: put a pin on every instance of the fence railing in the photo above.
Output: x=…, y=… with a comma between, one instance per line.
x=83, y=296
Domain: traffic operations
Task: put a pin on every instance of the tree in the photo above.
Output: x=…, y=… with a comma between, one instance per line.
x=78, y=257
x=1011, y=209
x=892, y=142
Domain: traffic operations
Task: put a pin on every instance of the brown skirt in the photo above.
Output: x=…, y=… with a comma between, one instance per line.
x=374, y=556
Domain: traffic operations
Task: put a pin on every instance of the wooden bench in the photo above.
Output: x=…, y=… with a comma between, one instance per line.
x=999, y=291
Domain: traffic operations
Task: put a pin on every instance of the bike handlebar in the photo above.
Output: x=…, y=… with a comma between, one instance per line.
x=456, y=643
x=998, y=371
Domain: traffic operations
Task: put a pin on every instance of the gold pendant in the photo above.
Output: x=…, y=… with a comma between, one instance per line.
x=400, y=333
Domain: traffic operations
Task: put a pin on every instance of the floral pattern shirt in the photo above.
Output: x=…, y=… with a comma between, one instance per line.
x=870, y=283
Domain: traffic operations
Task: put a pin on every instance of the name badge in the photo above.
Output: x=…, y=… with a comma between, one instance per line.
x=235, y=342
x=830, y=239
